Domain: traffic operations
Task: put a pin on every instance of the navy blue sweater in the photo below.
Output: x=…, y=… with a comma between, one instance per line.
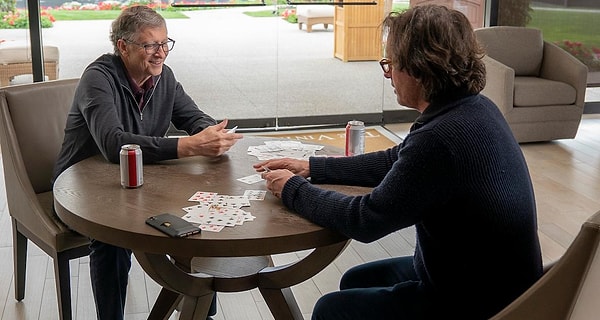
x=461, y=179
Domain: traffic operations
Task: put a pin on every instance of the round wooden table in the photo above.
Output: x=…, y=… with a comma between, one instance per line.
x=89, y=198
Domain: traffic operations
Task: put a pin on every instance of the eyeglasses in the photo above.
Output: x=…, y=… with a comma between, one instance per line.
x=386, y=65
x=152, y=48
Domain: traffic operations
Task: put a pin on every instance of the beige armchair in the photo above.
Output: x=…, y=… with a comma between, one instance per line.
x=539, y=88
x=570, y=289
x=33, y=118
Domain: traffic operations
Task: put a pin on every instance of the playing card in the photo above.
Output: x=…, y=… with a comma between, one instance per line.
x=211, y=227
x=254, y=178
x=215, y=211
x=225, y=211
x=219, y=220
x=255, y=194
x=202, y=196
x=220, y=201
x=247, y=216
x=195, y=217
x=201, y=207
x=238, y=201
x=230, y=201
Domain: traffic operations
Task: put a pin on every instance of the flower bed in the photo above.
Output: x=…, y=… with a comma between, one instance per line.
x=19, y=20
x=289, y=14
x=589, y=56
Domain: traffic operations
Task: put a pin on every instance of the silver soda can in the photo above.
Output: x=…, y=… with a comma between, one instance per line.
x=132, y=171
x=355, y=138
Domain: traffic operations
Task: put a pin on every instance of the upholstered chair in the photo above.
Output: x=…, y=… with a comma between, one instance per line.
x=570, y=289
x=33, y=118
x=539, y=87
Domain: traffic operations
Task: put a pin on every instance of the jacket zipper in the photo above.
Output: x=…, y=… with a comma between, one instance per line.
x=149, y=98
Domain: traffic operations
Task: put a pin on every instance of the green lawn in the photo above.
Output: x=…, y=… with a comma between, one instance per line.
x=62, y=15
x=568, y=25
x=260, y=14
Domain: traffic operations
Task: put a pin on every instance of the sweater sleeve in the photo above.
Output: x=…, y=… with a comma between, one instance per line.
x=364, y=170
x=420, y=178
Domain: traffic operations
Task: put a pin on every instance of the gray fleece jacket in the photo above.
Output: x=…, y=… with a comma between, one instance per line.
x=105, y=115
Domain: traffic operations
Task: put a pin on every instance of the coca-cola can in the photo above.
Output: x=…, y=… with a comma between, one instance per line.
x=355, y=138
x=132, y=171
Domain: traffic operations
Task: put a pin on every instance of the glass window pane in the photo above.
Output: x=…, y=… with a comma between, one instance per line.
x=239, y=66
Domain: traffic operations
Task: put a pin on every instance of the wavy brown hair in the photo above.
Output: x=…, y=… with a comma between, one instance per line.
x=437, y=46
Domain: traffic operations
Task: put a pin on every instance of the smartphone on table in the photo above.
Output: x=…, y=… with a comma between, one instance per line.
x=172, y=225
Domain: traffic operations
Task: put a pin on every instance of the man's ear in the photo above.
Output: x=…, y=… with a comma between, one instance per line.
x=122, y=46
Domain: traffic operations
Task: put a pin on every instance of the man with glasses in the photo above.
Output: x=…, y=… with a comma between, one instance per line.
x=131, y=97
x=459, y=179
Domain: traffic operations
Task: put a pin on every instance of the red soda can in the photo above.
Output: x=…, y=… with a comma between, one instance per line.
x=355, y=138
x=132, y=175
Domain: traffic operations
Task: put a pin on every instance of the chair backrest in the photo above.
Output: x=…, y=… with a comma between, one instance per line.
x=520, y=48
x=570, y=289
x=33, y=120
x=587, y=302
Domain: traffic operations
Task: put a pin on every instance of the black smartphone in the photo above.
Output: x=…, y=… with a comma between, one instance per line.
x=172, y=225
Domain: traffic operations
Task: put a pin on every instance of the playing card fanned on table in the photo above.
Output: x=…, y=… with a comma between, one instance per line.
x=213, y=212
x=284, y=149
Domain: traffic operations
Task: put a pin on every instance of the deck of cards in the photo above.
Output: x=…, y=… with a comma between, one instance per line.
x=284, y=149
x=213, y=211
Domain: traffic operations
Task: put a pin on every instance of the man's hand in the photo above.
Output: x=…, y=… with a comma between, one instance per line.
x=211, y=142
x=276, y=180
x=299, y=167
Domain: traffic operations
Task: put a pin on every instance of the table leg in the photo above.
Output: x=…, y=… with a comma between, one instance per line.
x=282, y=303
x=275, y=282
x=165, y=304
x=196, y=308
x=195, y=289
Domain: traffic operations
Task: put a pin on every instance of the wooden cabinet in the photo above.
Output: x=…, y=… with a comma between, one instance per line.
x=473, y=9
x=357, y=29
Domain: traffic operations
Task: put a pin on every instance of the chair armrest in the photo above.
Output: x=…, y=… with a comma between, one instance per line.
x=559, y=65
x=499, y=86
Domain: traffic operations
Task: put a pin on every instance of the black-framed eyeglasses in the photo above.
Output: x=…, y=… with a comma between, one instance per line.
x=386, y=65
x=152, y=48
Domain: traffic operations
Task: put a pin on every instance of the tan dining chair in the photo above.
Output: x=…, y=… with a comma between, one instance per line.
x=32, y=126
x=570, y=289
